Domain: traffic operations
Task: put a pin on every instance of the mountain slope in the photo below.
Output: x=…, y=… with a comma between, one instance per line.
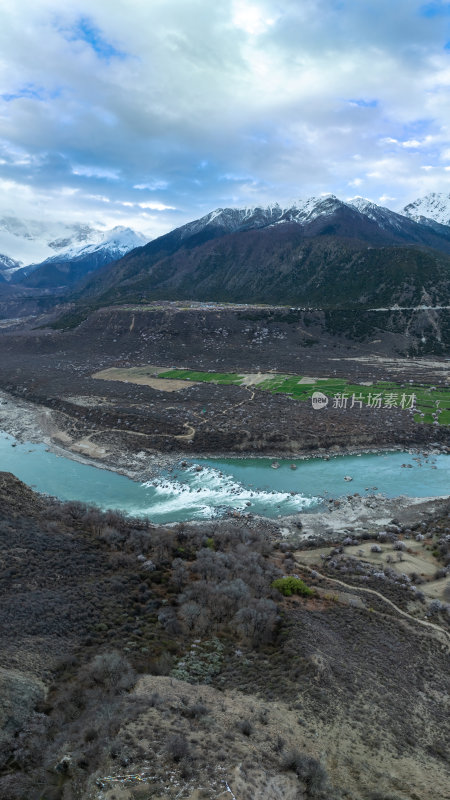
x=73, y=263
x=284, y=267
x=322, y=252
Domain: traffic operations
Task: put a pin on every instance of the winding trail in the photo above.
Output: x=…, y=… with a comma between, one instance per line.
x=396, y=608
x=189, y=435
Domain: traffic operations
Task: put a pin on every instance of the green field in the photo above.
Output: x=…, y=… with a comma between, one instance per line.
x=382, y=394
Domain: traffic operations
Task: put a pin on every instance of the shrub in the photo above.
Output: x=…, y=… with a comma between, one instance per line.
x=290, y=585
x=245, y=727
x=195, y=711
x=257, y=621
x=111, y=671
x=308, y=770
x=177, y=747
x=435, y=607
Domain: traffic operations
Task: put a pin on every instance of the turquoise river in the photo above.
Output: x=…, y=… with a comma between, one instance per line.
x=250, y=485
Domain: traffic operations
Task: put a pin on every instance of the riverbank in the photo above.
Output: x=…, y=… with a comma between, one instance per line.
x=355, y=516
x=338, y=516
x=34, y=423
x=28, y=422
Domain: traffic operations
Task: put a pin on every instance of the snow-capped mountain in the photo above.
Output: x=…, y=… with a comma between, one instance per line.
x=86, y=250
x=230, y=220
x=8, y=266
x=312, y=214
x=384, y=217
x=29, y=241
x=433, y=206
x=116, y=242
x=292, y=253
x=74, y=262
x=400, y=225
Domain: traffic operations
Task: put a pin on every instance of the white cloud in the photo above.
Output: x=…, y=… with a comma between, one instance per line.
x=96, y=172
x=156, y=206
x=102, y=102
x=251, y=18
x=411, y=143
x=152, y=186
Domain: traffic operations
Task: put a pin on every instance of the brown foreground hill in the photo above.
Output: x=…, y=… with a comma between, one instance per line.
x=139, y=661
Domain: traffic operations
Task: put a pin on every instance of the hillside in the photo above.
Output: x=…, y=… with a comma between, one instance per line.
x=166, y=653
x=282, y=266
x=325, y=253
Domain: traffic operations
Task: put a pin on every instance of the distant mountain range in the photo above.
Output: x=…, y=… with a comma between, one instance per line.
x=31, y=241
x=73, y=263
x=320, y=251
x=76, y=255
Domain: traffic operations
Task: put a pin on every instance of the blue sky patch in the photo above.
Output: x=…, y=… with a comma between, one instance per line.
x=435, y=9
x=86, y=31
x=32, y=91
x=364, y=103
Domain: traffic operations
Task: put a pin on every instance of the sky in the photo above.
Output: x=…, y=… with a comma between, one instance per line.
x=150, y=113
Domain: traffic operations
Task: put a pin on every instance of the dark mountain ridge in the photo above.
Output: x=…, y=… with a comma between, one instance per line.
x=329, y=254
x=321, y=252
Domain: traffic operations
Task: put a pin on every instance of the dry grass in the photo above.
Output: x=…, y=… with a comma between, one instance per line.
x=417, y=559
x=143, y=376
x=252, y=766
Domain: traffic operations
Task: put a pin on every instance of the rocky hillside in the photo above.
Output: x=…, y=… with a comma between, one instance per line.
x=169, y=654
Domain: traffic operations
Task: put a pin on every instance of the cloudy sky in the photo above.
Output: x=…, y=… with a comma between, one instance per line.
x=153, y=112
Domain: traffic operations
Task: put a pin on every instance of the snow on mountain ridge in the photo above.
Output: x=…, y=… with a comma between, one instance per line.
x=383, y=216
x=431, y=209
x=232, y=219
x=118, y=241
x=31, y=242
x=435, y=206
x=8, y=266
